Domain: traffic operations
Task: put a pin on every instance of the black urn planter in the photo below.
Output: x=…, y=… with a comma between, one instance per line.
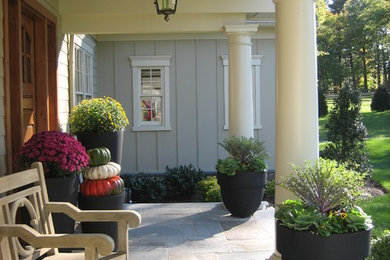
x=304, y=245
x=63, y=190
x=112, y=140
x=243, y=192
x=113, y=202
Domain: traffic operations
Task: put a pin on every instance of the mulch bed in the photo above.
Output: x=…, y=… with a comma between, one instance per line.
x=373, y=189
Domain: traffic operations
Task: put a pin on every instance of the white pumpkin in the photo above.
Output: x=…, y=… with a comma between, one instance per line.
x=102, y=171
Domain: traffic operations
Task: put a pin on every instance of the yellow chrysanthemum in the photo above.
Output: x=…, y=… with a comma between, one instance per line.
x=98, y=115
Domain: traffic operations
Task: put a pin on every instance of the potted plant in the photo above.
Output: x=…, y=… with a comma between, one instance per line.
x=323, y=223
x=242, y=176
x=99, y=122
x=63, y=159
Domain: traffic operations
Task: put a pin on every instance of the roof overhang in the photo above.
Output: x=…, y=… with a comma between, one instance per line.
x=139, y=16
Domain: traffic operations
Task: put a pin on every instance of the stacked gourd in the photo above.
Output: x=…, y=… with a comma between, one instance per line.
x=102, y=176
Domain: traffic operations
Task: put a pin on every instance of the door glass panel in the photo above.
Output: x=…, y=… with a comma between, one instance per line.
x=28, y=102
x=28, y=70
x=27, y=44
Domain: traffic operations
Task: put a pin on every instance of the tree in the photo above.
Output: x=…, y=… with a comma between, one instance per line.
x=322, y=105
x=381, y=100
x=331, y=70
x=366, y=22
x=346, y=132
x=337, y=6
x=353, y=43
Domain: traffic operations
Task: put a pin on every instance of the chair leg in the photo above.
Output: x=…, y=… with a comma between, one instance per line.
x=91, y=254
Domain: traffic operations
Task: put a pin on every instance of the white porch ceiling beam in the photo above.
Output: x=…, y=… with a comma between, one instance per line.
x=137, y=7
x=147, y=24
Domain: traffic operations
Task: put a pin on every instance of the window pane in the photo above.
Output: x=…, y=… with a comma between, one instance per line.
x=156, y=75
x=78, y=82
x=77, y=60
x=151, y=109
x=156, y=109
x=146, y=88
x=146, y=109
x=78, y=98
x=156, y=88
x=146, y=75
x=83, y=81
x=146, y=81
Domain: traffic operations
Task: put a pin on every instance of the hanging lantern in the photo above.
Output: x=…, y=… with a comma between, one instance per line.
x=166, y=7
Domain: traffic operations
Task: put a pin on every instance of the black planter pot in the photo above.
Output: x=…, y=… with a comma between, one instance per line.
x=64, y=190
x=111, y=140
x=243, y=192
x=101, y=203
x=304, y=245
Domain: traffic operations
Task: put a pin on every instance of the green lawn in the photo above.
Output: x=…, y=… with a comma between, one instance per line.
x=378, y=146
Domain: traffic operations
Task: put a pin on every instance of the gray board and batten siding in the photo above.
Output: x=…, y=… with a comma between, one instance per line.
x=196, y=100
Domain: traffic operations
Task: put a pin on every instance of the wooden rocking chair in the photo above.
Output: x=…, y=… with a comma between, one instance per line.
x=41, y=238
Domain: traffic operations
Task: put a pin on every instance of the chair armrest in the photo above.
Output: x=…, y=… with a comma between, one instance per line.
x=103, y=243
x=131, y=217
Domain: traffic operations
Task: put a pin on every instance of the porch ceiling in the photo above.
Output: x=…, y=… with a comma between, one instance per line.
x=139, y=16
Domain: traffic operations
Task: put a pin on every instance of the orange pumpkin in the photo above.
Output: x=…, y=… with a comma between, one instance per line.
x=105, y=187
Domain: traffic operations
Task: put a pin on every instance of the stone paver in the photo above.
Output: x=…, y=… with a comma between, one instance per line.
x=200, y=231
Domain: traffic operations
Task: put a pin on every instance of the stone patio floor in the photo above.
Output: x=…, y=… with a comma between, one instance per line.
x=204, y=231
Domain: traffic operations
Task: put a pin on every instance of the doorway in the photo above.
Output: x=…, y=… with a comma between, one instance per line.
x=31, y=85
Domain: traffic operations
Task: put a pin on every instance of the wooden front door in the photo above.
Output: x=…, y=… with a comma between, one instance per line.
x=28, y=78
x=31, y=73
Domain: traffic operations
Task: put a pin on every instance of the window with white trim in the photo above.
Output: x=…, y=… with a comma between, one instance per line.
x=83, y=74
x=256, y=64
x=150, y=93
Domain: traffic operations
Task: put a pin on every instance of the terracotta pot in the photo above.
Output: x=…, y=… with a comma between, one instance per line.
x=305, y=245
x=243, y=192
x=112, y=140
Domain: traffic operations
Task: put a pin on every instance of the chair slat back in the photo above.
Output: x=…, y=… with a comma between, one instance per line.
x=24, y=189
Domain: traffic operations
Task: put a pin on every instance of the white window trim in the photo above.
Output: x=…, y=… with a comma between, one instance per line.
x=162, y=62
x=256, y=64
x=85, y=52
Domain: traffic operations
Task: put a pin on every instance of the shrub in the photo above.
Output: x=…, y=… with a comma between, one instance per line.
x=144, y=188
x=210, y=189
x=180, y=182
x=322, y=105
x=269, y=192
x=380, y=249
x=346, y=132
x=247, y=155
x=381, y=100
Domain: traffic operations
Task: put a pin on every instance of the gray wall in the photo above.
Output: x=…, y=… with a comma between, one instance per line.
x=196, y=101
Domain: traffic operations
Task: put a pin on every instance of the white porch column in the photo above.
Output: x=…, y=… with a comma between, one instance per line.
x=240, y=79
x=296, y=88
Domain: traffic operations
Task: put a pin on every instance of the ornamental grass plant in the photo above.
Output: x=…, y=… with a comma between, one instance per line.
x=246, y=155
x=326, y=193
x=98, y=115
x=60, y=154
